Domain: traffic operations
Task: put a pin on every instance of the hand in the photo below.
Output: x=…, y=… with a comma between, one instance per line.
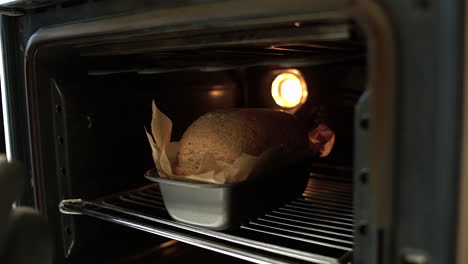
x=24, y=236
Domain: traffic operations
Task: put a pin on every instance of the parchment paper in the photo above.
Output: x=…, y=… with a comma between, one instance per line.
x=165, y=157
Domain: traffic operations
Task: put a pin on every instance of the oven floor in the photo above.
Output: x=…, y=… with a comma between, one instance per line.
x=315, y=227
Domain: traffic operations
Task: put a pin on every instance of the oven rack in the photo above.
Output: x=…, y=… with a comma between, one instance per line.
x=315, y=227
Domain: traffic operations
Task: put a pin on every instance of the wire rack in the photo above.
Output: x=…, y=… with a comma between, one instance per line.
x=315, y=227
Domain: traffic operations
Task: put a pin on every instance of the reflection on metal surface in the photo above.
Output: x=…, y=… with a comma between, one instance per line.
x=3, y=2
x=168, y=243
x=289, y=89
x=297, y=24
x=5, y=111
x=216, y=93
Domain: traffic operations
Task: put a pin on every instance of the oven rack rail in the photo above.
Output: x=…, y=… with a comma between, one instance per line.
x=315, y=227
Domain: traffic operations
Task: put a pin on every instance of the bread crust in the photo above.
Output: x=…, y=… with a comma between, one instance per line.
x=226, y=134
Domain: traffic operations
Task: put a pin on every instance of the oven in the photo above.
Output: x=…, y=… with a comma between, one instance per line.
x=377, y=84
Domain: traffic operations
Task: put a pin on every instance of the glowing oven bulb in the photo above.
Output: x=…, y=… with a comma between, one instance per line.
x=288, y=89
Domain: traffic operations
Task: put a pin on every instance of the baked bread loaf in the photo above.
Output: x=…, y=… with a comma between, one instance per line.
x=224, y=135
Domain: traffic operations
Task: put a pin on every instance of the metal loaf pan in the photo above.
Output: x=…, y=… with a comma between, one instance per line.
x=225, y=206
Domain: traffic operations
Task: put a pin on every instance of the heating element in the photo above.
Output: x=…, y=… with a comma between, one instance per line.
x=315, y=227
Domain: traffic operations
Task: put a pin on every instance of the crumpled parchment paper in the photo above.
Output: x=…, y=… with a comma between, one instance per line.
x=165, y=157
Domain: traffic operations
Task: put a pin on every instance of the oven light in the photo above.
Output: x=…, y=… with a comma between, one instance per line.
x=289, y=89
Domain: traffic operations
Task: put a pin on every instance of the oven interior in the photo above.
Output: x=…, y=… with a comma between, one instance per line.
x=92, y=101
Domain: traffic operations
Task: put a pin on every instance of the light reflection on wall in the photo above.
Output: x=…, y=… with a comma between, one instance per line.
x=216, y=93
